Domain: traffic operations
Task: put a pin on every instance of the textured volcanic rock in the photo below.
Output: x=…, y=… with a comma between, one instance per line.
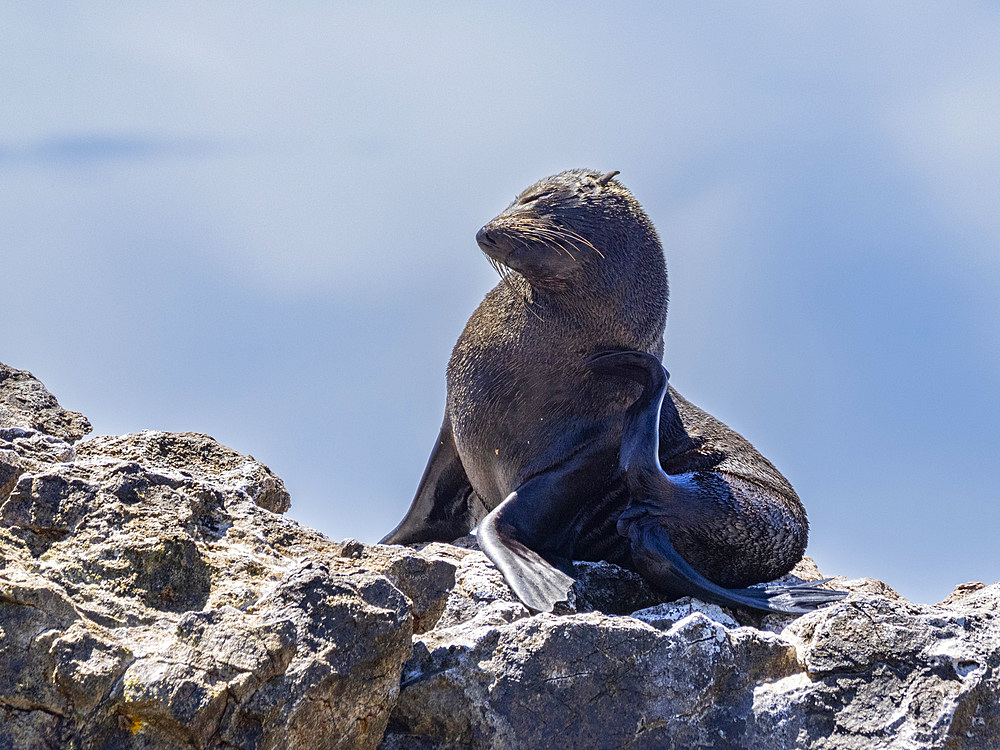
x=152, y=596
x=871, y=672
x=26, y=403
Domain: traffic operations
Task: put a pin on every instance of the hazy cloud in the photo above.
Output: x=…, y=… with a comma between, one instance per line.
x=90, y=149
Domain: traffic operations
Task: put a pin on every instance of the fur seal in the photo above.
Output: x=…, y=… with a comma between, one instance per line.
x=561, y=439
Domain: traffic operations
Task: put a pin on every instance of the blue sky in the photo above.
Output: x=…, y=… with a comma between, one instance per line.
x=257, y=221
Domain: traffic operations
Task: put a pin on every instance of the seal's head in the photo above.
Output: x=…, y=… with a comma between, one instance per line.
x=563, y=225
x=580, y=241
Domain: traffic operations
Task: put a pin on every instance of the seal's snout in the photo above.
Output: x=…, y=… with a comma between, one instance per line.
x=493, y=243
x=485, y=238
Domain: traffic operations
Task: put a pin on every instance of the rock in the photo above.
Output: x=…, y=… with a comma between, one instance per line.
x=607, y=588
x=865, y=586
x=34, y=430
x=804, y=570
x=426, y=576
x=25, y=403
x=584, y=680
x=868, y=672
x=24, y=450
x=480, y=596
x=151, y=596
x=195, y=455
x=664, y=616
x=147, y=600
x=889, y=673
x=318, y=652
x=961, y=591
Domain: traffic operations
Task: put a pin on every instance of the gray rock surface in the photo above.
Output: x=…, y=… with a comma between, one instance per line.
x=870, y=672
x=152, y=596
x=26, y=403
x=24, y=450
x=195, y=456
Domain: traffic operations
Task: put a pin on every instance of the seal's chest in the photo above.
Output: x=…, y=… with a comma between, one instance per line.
x=504, y=420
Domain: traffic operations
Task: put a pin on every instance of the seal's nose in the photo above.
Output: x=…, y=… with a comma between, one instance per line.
x=484, y=238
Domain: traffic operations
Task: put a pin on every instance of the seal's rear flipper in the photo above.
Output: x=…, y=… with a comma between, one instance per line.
x=655, y=557
x=656, y=496
x=536, y=583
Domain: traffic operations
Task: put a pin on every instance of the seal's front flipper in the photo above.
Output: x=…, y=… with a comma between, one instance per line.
x=537, y=583
x=655, y=557
x=445, y=505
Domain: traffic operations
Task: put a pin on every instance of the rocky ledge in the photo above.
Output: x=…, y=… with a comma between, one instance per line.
x=152, y=596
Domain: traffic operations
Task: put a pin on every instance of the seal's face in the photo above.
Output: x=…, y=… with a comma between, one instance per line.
x=553, y=230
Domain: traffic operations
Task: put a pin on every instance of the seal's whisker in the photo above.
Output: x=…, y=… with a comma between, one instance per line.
x=553, y=237
x=499, y=268
x=533, y=229
x=582, y=239
x=539, y=234
x=505, y=273
x=554, y=232
x=542, y=233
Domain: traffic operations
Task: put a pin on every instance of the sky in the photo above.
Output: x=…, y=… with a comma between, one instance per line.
x=257, y=221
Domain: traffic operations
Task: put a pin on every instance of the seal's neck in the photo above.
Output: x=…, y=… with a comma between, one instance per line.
x=609, y=310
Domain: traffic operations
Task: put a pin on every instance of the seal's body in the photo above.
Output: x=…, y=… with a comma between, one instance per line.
x=561, y=439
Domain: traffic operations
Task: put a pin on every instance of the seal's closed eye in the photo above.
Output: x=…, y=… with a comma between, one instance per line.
x=535, y=197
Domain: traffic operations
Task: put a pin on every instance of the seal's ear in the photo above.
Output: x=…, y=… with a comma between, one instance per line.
x=604, y=179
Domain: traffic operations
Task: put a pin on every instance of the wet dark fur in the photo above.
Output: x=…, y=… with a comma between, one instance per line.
x=587, y=274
